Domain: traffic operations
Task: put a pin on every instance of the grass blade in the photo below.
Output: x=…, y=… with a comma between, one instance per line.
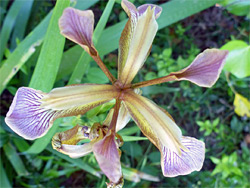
x=8, y=25
x=133, y=138
x=78, y=162
x=21, y=22
x=15, y=160
x=49, y=59
x=3, y=177
x=27, y=47
x=47, y=66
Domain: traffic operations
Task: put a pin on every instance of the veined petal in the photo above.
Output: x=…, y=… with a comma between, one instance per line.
x=77, y=25
x=32, y=112
x=204, y=70
x=190, y=160
x=108, y=158
x=136, y=39
x=65, y=98
x=154, y=122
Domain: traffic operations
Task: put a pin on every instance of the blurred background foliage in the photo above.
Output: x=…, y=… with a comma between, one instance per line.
x=219, y=115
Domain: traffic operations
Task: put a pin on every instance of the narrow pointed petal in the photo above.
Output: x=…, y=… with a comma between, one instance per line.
x=204, y=70
x=122, y=119
x=190, y=160
x=154, y=122
x=108, y=158
x=77, y=25
x=32, y=112
x=136, y=39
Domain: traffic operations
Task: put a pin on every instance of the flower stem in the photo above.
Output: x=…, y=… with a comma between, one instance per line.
x=115, y=115
x=104, y=68
x=153, y=82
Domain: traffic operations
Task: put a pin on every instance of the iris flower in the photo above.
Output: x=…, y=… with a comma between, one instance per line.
x=32, y=112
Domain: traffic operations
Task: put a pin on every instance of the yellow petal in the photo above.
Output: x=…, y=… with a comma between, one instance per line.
x=136, y=40
x=154, y=123
x=242, y=105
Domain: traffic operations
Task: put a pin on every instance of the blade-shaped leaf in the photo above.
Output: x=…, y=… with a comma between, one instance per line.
x=8, y=25
x=4, y=179
x=15, y=160
x=27, y=47
x=77, y=162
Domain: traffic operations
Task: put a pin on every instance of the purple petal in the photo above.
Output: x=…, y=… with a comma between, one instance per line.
x=129, y=8
x=32, y=112
x=191, y=160
x=25, y=117
x=77, y=25
x=143, y=8
x=205, y=69
x=108, y=158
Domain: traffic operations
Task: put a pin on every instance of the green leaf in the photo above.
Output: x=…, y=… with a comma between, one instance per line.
x=15, y=160
x=22, y=53
x=3, y=177
x=133, y=138
x=77, y=162
x=152, y=90
x=47, y=66
x=238, y=62
x=237, y=7
x=95, y=75
x=215, y=160
x=233, y=45
x=129, y=131
x=4, y=138
x=83, y=63
x=27, y=47
x=21, y=22
x=8, y=24
x=49, y=59
x=21, y=144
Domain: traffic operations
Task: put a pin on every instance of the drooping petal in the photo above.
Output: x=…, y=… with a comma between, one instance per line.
x=71, y=136
x=77, y=25
x=108, y=158
x=154, y=122
x=204, y=70
x=136, y=39
x=76, y=151
x=190, y=160
x=32, y=112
